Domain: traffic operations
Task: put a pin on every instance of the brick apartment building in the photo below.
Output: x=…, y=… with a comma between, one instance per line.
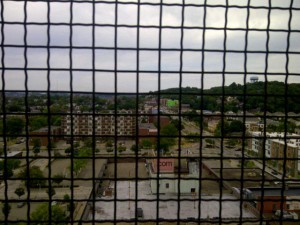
x=104, y=124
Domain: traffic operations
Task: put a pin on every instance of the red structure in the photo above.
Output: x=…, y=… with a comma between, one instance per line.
x=272, y=199
x=166, y=165
x=164, y=120
x=269, y=204
x=42, y=134
x=148, y=131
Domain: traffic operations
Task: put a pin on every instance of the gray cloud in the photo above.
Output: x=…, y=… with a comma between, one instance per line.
x=149, y=38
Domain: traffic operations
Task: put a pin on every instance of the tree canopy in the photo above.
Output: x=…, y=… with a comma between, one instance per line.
x=14, y=125
x=20, y=191
x=58, y=215
x=167, y=142
x=35, y=178
x=229, y=127
x=250, y=96
x=11, y=164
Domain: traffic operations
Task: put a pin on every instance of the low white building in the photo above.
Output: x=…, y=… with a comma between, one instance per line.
x=166, y=177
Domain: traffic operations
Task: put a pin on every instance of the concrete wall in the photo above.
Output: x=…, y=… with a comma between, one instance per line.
x=88, y=205
x=270, y=203
x=186, y=186
x=168, y=180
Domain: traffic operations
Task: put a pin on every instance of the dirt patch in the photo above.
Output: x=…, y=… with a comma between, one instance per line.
x=127, y=170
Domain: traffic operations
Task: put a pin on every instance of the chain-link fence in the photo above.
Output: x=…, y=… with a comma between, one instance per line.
x=153, y=112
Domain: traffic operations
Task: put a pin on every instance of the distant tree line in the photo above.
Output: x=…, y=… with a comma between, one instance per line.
x=272, y=96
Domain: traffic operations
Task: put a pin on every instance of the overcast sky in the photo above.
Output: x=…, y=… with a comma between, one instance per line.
x=149, y=42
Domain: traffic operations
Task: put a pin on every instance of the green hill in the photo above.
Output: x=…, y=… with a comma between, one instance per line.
x=271, y=96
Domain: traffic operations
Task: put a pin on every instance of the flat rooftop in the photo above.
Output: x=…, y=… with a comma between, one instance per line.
x=275, y=191
x=168, y=206
x=147, y=126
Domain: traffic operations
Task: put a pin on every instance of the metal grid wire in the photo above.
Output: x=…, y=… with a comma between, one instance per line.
x=17, y=77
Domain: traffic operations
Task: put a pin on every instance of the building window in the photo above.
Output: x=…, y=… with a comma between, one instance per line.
x=167, y=185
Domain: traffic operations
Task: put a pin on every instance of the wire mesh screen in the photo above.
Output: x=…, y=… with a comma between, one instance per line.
x=150, y=112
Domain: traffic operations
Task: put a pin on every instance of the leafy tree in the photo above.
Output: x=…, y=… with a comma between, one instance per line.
x=236, y=126
x=76, y=144
x=56, y=120
x=36, y=146
x=50, y=191
x=70, y=205
x=146, y=143
x=233, y=126
x=290, y=127
x=51, y=145
x=78, y=164
x=125, y=102
x=36, y=150
x=6, y=209
x=35, y=178
x=11, y=164
x=167, y=142
x=249, y=164
x=134, y=148
x=226, y=128
x=121, y=148
x=20, y=192
x=232, y=142
x=58, y=178
x=58, y=215
x=109, y=144
x=68, y=150
x=67, y=197
x=57, y=153
x=88, y=142
x=176, y=123
x=109, y=149
x=80, y=161
x=210, y=142
x=14, y=108
x=193, y=137
x=14, y=125
x=169, y=130
x=37, y=122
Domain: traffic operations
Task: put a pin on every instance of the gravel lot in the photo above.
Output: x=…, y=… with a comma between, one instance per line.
x=127, y=170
